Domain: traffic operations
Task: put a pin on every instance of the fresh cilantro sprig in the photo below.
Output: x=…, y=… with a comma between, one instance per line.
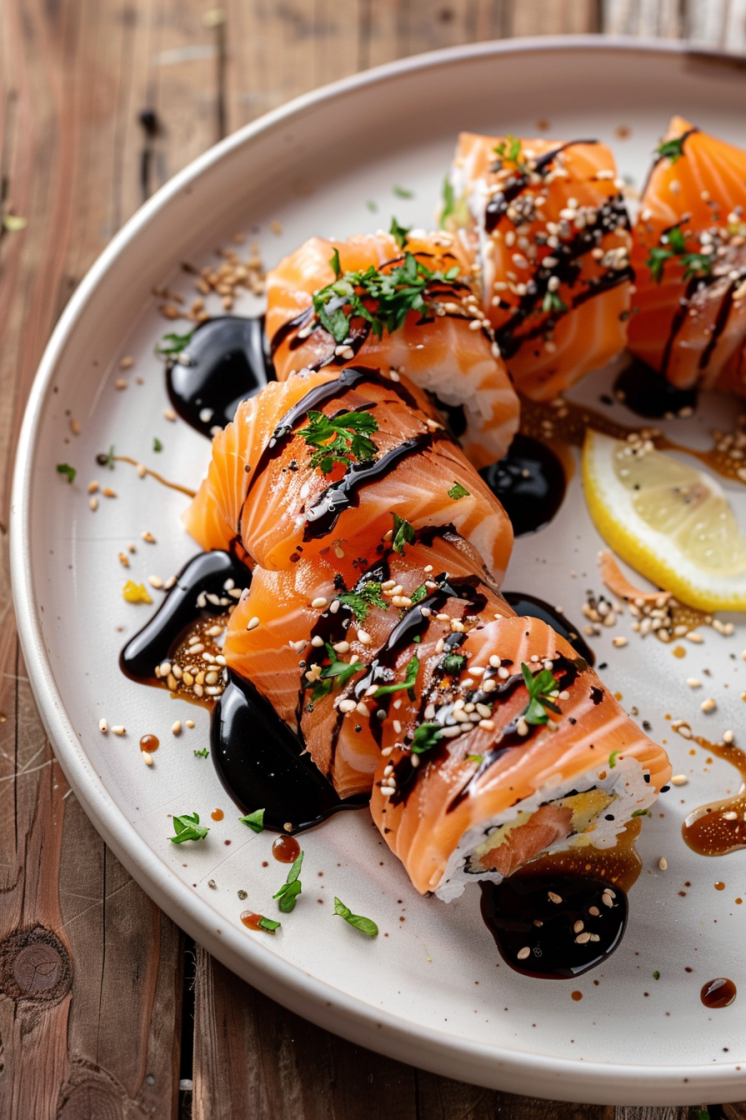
x=339, y=439
x=612, y=759
x=172, y=344
x=66, y=469
x=361, y=599
x=673, y=246
x=202, y=754
x=458, y=491
x=673, y=149
x=453, y=663
x=410, y=679
x=542, y=688
x=268, y=924
x=254, y=821
x=337, y=672
x=291, y=888
x=399, y=233
x=365, y=925
x=188, y=828
x=425, y=737
x=403, y=534
x=509, y=148
x=418, y=595
x=553, y=304
x=394, y=294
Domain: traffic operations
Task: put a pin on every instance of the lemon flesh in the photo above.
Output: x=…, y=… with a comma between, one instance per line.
x=669, y=521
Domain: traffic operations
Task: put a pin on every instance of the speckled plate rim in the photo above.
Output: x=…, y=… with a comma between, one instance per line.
x=439, y=1051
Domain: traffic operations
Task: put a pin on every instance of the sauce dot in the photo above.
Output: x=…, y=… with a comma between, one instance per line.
x=149, y=743
x=217, y=814
x=718, y=993
x=719, y=886
x=251, y=920
x=739, y=901
x=576, y=995
x=678, y=651
x=286, y=849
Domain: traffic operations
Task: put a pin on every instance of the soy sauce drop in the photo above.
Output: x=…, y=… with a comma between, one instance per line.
x=530, y=483
x=718, y=993
x=538, y=936
x=226, y=361
x=149, y=743
x=646, y=393
x=286, y=849
x=530, y=605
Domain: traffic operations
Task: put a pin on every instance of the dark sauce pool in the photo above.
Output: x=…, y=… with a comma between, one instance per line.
x=530, y=483
x=646, y=392
x=718, y=993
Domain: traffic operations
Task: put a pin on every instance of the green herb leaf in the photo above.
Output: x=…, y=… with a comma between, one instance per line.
x=449, y=202
x=362, y=598
x=203, y=753
x=541, y=689
x=365, y=925
x=675, y=239
x=106, y=458
x=334, y=262
x=402, y=192
x=372, y=206
x=269, y=925
x=696, y=264
x=66, y=469
x=418, y=595
x=613, y=758
x=349, y=435
x=399, y=233
x=425, y=737
x=656, y=975
x=157, y=445
x=410, y=679
x=641, y=813
x=338, y=672
x=673, y=149
x=453, y=663
x=552, y=304
x=403, y=534
x=255, y=820
x=656, y=262
x=172, y=344
x=475, y=758
x=291, y=888
x=458, y=491
x=188, y=828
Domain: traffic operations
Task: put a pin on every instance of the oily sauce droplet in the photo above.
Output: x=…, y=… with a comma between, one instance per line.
x=217, y=814
x=719, y=886
x=576, y=996
x=286, y=849
x=718, y=993
x=251, y=920
x=719, y=827
x=529, y=482
x=149, y=743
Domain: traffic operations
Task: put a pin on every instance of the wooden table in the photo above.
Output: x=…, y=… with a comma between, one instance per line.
x=108, y=1011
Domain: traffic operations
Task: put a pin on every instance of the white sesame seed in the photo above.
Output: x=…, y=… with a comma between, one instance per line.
x=487, y=724
x=156, y=582
x=523, y=953
x=364, y=637
x=119, y=730
x=93, y=504
x=320, y=603
x=663, y=863
x=190, y=723
x=363, y=709
x=347, y=706
x=619, y=642
x=555, y=898
x=607, y=900
x=253, y=623
x=679, y=780
x=317, y=641
x=694, y=682
x=503, y=673
x=414, y=761
x=730, y=816
x=103, y=726
x=147, y=758
x=594, y=911
x=578, y=927
x=728, y=737
x=147, y=536
x=708, y=705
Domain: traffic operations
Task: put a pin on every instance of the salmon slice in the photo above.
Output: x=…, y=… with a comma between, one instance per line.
x=269, y=641
x=470, y=808
x=274, y=495
x=548, y=227
x=445, y=348
x=689, y=256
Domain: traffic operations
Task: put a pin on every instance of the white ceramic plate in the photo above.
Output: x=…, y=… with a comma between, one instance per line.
x=427, y=990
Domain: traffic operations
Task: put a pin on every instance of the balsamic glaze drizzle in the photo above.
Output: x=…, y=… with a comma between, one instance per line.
x=647, y=393
x=529, y=482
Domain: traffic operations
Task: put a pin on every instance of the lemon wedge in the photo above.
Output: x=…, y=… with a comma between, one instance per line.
x=669, y=521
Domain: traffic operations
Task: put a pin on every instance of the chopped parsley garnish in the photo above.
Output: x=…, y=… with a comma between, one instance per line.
x=641, y=813
x=509, y=148
x=673, y=244
x=696, y=264
x=553, y=304
x=291, y=888
x=255, y=820
x=402, y=192
x=365, y=925
x=338, y=672
x=334, y=262
x=188, y=828
x=418, y=595
x=541, y=689
x=675, y=239
x=403, y=534
x=349, y=435
x=475, y=758
x=157, y=445
x=673, y=149
x=449, y=202
x=268, y=924
x=399, y=233
x=453, y=663
x=656, y=975
x=612, y=759
x=361, y=600
x=656, y=262
x=372, y=206
x=66, y=469
x=425, y=737
x=410, y=678
x=395, y=293
x=172, y=344
x=106, y=458
x=458, y=491
x=202, y=754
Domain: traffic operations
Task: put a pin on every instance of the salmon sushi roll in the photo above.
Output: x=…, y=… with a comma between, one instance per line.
x=689, y=256
x=347, y=459
x=306, y=637
x=547, y=225
x=406, y=305
x=514, y=748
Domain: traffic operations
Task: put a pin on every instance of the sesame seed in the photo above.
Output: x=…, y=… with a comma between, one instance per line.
x=127, y=362
x=190, y=723
x=93, y=504
x=347, y=706
x=487, y=724
x=146, y=536
x=156, y=582
x=730, y=816
x=142, y=470
x=619, y=642
x=693, y=636
x=607, y=900
x=694, y=682
x=555, y=898
x=103, y=726
x=120, y=383
x=176, y=727
x=414, y=761
x=320, y=603
x=523, y=953
x=663, y=863
x=317, y=641
x=578, y=927
x=708, y=705
x=594, y=911
x=119, y=730
x=253, y=623
x=92, y=487
x=728, y=737
x=147, y=758
x=108, y=492
x=169, y=414
x=363, y=709
x=364, y=637
x=679, y=780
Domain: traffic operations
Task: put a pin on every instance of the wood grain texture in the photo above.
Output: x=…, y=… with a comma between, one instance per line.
x=101, y=101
